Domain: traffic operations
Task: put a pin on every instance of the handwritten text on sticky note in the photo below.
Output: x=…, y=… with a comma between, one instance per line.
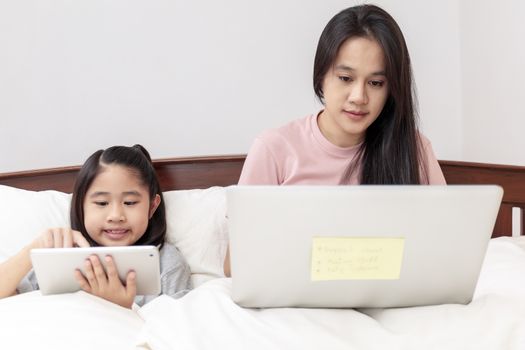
x=348, y=258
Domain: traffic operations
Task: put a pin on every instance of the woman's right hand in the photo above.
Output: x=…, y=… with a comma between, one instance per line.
x=59, y=237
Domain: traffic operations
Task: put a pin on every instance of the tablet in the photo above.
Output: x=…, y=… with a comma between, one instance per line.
x=55, y=267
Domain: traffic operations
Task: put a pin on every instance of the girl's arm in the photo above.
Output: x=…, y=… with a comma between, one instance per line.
x=175, y=274
x=13, y=270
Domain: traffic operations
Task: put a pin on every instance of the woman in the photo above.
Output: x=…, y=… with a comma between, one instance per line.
x=367, y=132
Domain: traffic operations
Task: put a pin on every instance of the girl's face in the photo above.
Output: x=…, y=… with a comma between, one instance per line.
x=117, y=207
x=355, y=90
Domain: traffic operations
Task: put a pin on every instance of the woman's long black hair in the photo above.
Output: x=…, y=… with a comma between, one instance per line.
x=138, y=160
x=391, y=152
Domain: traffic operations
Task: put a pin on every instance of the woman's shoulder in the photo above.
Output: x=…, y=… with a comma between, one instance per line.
x=425, y=141
x=295, y=130
x=425, y=146
x=433, y=174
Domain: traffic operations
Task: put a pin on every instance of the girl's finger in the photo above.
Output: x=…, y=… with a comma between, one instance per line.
x=79, y=240
x=90, y=275
x=112, y=271
x=98, y=269
x=67, y=239
x=131, y=284
x=57, y=238
x=47, y=239
x=82, y=281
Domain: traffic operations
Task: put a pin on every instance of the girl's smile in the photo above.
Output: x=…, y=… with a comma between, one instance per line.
x=116, y=234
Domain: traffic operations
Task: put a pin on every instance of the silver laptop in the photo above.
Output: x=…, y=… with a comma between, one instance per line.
x=358, y=246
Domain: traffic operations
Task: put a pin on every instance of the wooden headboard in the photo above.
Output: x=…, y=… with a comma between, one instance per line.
x=511, y=178
x=203, y=172
x=174, y=174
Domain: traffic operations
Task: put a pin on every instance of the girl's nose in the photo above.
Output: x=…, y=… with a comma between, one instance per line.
x=116, y=214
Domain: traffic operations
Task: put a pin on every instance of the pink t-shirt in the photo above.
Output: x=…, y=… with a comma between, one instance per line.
x=299, y=154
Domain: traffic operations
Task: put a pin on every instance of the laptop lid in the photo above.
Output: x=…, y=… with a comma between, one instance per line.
x=358, y=246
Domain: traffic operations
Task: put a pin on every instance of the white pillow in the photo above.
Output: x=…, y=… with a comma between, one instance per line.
x=196, y=224
x=25, y=214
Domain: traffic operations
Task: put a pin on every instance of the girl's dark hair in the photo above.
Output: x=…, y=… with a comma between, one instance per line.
x=138, y=160
x=391, y=151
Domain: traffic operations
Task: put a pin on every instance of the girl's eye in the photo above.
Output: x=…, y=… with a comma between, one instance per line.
x=130, y=202
x=345, y=79
x=101, y=203
x=377, y=83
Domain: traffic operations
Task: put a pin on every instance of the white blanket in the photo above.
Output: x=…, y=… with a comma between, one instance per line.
x=208, y=319
x=67, y=321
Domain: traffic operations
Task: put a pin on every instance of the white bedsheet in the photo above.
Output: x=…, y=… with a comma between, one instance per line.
x=208, y=319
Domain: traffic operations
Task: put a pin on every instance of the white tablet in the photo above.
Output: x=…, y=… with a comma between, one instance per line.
x=55, y=267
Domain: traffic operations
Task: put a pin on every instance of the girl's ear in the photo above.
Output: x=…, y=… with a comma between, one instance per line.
x=154, y=205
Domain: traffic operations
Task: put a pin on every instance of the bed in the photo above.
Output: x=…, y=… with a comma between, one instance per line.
x=206, y=318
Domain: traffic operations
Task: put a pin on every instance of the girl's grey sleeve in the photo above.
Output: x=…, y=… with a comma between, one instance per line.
x=175, y=274
x=28, y=283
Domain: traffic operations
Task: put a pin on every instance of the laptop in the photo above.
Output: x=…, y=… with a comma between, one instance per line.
x=358, y=246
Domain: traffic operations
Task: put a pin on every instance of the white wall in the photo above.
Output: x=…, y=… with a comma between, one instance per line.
x=493, y=80
x=190, y=77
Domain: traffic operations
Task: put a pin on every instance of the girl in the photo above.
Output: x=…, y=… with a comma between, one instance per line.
x=117, y=201
x=367, y=132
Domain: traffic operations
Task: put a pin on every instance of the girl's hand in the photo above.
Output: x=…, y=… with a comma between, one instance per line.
x=59, y=238
x=107, y=285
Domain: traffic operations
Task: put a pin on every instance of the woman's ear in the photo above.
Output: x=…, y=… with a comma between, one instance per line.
x=154, y=205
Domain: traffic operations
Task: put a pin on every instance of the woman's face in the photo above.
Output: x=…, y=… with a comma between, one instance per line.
x=355, y=90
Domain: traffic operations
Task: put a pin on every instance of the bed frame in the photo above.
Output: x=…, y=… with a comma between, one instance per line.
x=203, y=172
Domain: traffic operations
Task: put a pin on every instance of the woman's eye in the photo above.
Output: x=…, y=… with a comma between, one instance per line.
x=130, y=202
x=377, y=83
x=345, y=79
x=101, y=203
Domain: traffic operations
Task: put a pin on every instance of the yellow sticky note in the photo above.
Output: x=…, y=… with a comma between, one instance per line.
x=350, y=258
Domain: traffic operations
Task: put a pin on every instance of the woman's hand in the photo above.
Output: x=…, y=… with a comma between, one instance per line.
x=60, y=237
x=106, y=284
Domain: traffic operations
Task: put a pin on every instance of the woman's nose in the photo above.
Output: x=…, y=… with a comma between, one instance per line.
x=358, y=94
